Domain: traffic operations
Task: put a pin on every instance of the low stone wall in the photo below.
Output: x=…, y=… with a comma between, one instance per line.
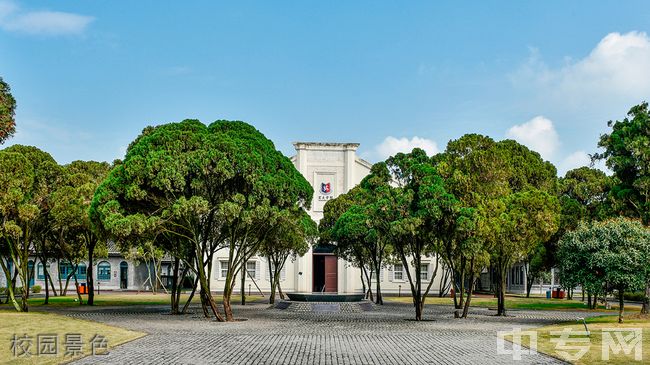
x=325, y=307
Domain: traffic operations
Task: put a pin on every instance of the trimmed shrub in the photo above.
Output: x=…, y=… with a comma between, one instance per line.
x=635, y=296
x=36, y=289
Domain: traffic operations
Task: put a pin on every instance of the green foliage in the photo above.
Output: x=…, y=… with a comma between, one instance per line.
x=290, y=237
x=7, y=112
x=27, y=178
x=36, y=289
x=614, y=254
x=627, y=154
x=196, y=189
x=507, y=192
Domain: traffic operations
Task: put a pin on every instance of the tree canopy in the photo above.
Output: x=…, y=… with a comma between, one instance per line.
x=221, y=186
x=614, y=254
x=7, y=112
x=29, y=176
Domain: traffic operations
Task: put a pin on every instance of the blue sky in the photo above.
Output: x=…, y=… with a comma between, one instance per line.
x=89, y=75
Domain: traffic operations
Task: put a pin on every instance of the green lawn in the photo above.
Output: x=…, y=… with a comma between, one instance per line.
x=29, y=326
x=514, y=302
x=594, y=344
x=124, y=299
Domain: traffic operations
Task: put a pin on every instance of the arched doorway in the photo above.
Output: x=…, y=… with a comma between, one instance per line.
x=124, y=275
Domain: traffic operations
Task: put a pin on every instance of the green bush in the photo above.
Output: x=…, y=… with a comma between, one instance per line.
x=638, y=296
x=36, y=289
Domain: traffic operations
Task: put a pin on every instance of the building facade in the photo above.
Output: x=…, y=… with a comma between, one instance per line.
x=332, y=169
x=113, y=272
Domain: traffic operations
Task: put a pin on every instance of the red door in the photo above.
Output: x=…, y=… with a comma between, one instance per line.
x=331, y=282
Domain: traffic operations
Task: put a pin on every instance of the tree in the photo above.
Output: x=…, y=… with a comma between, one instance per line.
x=347, y=242
x=584, y=196
x=614, y=253
x=7, y=112
x=361, y=230
x=204, y=188
x=527, y=214
x=472, y=173
x=419, y=205
x=535, y=266
x=84, y=177
x=504, y=190
x=28, y=175
x=266, y=182
x=627, y=154
x=290, y=237
x=514, y=226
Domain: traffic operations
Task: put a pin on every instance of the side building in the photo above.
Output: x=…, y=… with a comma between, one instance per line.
x=113, y=272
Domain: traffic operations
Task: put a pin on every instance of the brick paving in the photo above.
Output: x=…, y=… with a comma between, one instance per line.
x=385, y=335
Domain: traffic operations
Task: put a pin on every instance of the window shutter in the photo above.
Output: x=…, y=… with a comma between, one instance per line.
x=258, y=267
x=390, y=273
x=283, y=272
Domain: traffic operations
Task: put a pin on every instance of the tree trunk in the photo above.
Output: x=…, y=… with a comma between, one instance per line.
x=207, y=301
x=11, y=296
x=363, y=282
x=645, y=308
x=621, y=303
x=379, y=299
x=189, y=299
x=417, y=303
x=76, y=285
x=24, y=278
x=280, y=291
x=227, y=307
x=175, y=288
x=47, y=288
x=90, y=281
x=243, y=283
x=469, y=297
x=501, y=306
x=90, y=277
x=49, y=277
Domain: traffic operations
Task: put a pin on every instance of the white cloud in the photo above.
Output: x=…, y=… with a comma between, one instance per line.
x=391, y=146
x=617, y=68
x=43, y=22
x=537, y=134
x=572, y=161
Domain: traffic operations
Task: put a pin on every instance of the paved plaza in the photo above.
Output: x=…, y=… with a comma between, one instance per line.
x=386, y=335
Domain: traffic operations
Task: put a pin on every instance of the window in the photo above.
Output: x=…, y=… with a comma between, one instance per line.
x=40, y=274
x=104, y=271
x=398, y=272
x=223, y=269
x=424, y=272
x=65, y=269
x=251, y=268
x=81, y=271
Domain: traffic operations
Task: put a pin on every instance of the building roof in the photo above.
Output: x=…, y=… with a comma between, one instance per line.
x=324, y=145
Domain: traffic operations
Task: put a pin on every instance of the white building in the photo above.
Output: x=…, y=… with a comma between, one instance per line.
x=332, y=169
x=113, y=272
